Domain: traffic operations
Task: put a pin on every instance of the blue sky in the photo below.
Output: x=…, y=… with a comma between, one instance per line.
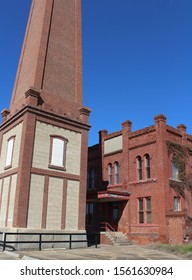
x=137, y=60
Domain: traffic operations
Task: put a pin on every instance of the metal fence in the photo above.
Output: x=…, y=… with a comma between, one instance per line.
x=5, y=242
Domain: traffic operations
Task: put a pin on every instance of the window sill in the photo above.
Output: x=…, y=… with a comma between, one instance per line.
x=61, y=168
x=180, y=213
x=8, y=167
x=176, y=180
x=145, y=181
x=115, y=185
x=144, y=225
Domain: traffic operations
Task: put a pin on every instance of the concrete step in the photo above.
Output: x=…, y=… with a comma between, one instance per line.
x=122, y=243
x=121, y=239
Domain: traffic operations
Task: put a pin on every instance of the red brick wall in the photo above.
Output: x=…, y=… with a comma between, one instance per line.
x=176, y=229
x=152, y=141
x=51, y=58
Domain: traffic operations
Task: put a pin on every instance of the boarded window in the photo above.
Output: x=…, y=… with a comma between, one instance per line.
x=9, y=156
x=58, y=152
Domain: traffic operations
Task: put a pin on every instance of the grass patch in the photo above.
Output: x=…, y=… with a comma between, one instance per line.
x=176, y=249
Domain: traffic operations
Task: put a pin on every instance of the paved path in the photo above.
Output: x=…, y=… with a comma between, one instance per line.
x=104, y=252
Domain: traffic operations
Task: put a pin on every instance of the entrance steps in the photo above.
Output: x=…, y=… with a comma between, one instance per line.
x=119, y=239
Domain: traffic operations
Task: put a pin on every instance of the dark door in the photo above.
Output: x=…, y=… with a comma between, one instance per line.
x=114, y=215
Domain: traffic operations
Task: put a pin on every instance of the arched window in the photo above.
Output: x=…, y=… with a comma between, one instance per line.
x=110, y=173
x=57, y=152
x=139, y=168
x=117, y=173
x=147, y=166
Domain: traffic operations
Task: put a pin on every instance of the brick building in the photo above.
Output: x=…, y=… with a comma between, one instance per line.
x=43, y=135
x=139, y=182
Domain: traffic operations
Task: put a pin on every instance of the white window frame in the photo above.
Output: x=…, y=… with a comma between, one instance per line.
x=177, y=204
x=144, y=212
x=175, y=171
x=147, y=166
x=58, y=146
x=110, y=173
x=117, y=173
x=139, y=168
x=9, y=153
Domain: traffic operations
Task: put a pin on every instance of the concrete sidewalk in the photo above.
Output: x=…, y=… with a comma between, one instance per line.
x=103, y=252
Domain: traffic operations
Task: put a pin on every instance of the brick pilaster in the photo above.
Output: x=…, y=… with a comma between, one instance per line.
x=24, y=171
x=126, y=130
x=162, y=171
x=83, y=180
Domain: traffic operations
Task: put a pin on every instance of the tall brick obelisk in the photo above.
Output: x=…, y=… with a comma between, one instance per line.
x=43, y=135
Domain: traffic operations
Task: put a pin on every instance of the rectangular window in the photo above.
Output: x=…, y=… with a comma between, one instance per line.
x=148, y=210
x=141, y=211
x=147, y=167
x=57, y=158
x=58, y=152
x=145, y=210
x=117, y=171
x=92, y=179
x=139, y=168
x=177, y=204
x=89, y=213
x=175, y=171
x=110, y=170
x=9, y=156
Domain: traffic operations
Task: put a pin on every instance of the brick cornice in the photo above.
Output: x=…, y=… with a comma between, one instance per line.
x=45, y=114
x=142, y=145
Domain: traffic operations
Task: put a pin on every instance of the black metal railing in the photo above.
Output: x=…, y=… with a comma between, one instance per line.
x=5, y=242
